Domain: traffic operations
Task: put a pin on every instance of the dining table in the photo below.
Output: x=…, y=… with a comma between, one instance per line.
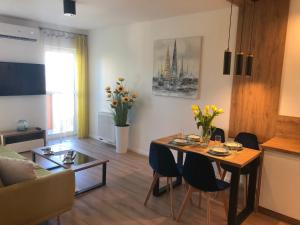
x=235, y=161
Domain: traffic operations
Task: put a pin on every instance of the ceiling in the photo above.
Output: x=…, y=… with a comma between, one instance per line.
x=102, y=13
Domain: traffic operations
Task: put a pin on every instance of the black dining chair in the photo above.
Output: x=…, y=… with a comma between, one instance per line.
x=248, y=140
x=220, y=132
x=163, y=164
x=200, y=176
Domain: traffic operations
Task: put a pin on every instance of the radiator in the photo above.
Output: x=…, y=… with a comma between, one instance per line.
x=106, y=127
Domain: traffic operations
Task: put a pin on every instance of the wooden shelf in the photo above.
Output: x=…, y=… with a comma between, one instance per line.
x=283, y=144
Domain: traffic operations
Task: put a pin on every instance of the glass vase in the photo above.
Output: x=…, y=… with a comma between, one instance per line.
x=206, y=135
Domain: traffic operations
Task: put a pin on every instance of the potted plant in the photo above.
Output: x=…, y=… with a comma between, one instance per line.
x=121, y=102
x=204, y=120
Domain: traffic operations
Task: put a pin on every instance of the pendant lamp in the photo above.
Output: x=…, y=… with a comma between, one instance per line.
x=239, y=58
x=227, y=53
x=250, y=56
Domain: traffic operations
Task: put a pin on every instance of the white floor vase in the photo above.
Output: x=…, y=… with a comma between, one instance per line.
x=122, y=135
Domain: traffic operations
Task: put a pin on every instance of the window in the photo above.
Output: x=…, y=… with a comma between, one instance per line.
x=60, y=86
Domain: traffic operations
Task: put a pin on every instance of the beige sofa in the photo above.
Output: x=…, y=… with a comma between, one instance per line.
x=32, y=202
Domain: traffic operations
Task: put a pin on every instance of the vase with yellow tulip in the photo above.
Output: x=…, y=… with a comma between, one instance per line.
x=204, y=119
x=121, y=101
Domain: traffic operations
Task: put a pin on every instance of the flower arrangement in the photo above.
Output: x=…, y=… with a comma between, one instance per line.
x=205, y=118
x=121, y=102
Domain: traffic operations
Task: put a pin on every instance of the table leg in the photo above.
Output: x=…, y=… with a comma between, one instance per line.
x=98, y=185
x=233, y=217
x=33, y=157
x=157, y=190
x=233, y=197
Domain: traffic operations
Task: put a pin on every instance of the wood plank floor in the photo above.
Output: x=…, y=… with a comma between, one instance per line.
x=120, y=202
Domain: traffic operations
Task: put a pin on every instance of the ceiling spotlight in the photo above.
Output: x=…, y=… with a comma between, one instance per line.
x=69, y=8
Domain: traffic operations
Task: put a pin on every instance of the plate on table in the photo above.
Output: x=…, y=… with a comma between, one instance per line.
x=180, y=141
x=193, y=137
x=233, y=145
x=219, y=151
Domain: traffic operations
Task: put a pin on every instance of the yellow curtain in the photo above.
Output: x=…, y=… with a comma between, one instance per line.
x=82, y=87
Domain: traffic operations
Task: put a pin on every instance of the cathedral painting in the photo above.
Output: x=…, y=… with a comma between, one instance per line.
x=177, y=67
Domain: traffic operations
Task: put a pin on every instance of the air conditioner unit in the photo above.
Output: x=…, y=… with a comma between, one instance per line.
x=16, y=32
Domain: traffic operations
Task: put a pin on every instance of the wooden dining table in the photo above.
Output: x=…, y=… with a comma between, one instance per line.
x=235, y=161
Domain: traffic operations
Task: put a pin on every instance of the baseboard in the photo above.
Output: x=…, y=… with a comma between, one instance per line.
x=278, y=216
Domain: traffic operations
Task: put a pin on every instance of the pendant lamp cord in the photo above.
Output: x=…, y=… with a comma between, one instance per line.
x=252, y=24
x=229, y=31
x=242, y=32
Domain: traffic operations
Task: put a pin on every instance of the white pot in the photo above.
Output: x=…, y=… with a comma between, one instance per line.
x=122, y=135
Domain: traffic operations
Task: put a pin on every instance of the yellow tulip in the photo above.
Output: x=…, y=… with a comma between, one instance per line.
x=214, y=108
x=206, y=109
x=195, y=109
x=220, y=111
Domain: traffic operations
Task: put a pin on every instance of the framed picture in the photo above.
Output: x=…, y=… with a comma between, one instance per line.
x=177, y=67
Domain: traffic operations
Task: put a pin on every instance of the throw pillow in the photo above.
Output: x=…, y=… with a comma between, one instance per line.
x=13, y=171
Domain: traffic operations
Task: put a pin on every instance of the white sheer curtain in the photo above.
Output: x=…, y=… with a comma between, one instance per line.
x=60, y=61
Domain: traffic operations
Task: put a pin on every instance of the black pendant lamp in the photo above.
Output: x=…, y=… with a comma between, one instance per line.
x=227, y=53
x=239, y=57
x=250, y=56
x=69, y=7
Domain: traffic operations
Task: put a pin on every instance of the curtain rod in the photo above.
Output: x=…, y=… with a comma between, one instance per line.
x=73, y=33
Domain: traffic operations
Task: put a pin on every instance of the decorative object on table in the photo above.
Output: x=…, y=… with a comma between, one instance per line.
x=47, y=151
x=179, y=141
x=194, y=137
x=69, y=157
x=121, y=101
x=22, y=125
x=219, y=151
x=232, y=145
x=178, y=75
x=204, y=120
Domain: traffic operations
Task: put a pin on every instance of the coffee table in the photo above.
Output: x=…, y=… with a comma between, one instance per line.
x=81, y=162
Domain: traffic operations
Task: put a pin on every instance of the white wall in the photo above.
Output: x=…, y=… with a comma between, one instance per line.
x=30, y=108
x=290, y=91
x=128, y=51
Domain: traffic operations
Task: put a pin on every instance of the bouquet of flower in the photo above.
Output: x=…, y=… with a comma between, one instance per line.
x=120, y=102
x=204, y=119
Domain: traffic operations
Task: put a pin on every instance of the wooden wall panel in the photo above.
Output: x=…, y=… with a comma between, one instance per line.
x=288, y=127
x=255, y=100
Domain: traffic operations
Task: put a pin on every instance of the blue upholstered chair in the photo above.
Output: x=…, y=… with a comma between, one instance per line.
x=163, y=164
x=248, y=140
x=199, y=174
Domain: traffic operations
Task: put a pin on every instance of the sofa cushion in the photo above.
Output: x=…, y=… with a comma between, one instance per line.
x=13, y=171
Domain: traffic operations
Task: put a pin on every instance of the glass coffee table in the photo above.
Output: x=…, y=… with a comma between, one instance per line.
x=80, y=162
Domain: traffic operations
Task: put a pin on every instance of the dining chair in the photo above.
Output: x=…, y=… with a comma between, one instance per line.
x=220, y=132
x=163, y=164
x=248, y=140
x=198, y=172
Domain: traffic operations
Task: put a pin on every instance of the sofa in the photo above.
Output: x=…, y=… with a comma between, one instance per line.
x=35, y=201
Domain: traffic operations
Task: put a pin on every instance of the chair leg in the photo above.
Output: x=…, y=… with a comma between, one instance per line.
x=208, y=209
x=223, y=175
x=171, y=196
x=155, y=178
x=245, y=190
x=219, y=169
x=58, y=220
x=184, y=203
